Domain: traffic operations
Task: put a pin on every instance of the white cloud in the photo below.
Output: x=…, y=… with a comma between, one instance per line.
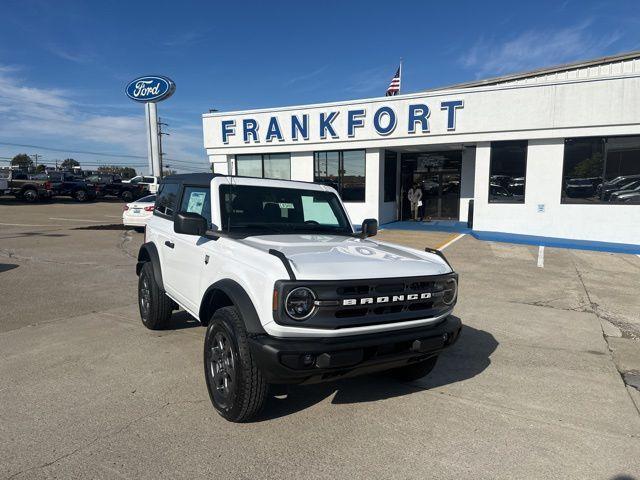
x=538, y=48
x=52, y=118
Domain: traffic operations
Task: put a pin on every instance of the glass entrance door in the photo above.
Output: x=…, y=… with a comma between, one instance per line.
x=437, y=176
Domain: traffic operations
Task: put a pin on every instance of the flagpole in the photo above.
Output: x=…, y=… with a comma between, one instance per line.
x=400, y=85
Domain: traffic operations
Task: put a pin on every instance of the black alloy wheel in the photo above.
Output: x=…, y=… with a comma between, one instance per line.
x=222, y=369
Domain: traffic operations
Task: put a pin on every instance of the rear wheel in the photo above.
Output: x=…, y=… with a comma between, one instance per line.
x=30, y=195
x=80, y=195
x=155, y=306
x=236, y=385
x=415, y=371
x=127, y=196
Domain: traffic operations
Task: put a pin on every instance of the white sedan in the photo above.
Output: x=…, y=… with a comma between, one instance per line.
x=136, y=214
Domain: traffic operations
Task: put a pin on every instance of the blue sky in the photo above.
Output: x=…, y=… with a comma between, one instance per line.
x=64, y=64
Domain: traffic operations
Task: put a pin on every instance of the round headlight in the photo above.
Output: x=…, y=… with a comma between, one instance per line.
x=450, y=291
x=300, y=303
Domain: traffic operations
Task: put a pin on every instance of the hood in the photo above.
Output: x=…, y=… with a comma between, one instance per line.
x=330, y=257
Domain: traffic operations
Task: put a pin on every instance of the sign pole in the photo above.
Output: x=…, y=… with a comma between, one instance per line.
x=153, y=147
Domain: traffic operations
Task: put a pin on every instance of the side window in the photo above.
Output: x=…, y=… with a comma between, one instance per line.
x=167, y=198
x=197, y=200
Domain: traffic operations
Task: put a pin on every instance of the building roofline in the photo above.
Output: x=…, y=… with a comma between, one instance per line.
x=541, y=71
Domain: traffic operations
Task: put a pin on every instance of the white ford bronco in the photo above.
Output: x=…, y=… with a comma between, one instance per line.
x=290, y=292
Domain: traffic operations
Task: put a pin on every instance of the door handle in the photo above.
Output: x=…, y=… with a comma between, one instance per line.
x=169, y=244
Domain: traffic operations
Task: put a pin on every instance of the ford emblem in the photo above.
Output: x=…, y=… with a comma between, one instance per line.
x=151, y=88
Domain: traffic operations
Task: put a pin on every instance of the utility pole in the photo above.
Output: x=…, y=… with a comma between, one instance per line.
x=35, y=159
x=161, y=154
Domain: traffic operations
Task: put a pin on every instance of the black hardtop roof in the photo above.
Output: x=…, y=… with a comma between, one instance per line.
x=203, y=179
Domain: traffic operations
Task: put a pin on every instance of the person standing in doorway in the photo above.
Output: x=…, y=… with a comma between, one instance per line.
x=415, y=199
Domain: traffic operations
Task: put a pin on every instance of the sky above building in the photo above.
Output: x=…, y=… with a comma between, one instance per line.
x=64, y=65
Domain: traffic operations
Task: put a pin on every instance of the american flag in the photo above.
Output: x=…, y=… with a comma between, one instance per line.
x=394, y=86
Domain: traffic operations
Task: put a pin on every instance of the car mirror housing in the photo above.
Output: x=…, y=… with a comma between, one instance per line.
x=189, y=223
x=369, y=227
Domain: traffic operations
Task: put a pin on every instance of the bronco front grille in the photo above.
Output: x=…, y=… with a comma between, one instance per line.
x=351, y=303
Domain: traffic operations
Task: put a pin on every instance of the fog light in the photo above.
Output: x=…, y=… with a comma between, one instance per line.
x=308, y=359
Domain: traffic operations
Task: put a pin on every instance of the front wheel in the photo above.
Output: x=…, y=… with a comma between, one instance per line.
x=236, y=385
x=155, y=306
x=415, y=371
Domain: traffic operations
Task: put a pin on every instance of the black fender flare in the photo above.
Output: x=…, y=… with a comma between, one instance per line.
x=240, y=299
x=149, y=253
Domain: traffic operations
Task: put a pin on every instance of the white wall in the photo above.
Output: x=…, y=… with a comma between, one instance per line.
x=302, y=166
x=606, y=223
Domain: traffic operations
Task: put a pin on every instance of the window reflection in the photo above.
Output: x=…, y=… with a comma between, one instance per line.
x=508, y=172
x=601, y=170
x=342, y=170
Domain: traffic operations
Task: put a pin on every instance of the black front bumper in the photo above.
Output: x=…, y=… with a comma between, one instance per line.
x=301, y=360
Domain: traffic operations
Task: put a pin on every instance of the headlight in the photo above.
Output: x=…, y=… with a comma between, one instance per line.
x=450, y=291
x=300, y=303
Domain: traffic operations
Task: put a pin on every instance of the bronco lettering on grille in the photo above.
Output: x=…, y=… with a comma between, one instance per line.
x=386, y=299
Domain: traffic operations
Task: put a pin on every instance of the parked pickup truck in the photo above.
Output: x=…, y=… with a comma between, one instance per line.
x=111, y=185
x=68, y=185
x=24, y=188
x=290, y=292
x=150, y=181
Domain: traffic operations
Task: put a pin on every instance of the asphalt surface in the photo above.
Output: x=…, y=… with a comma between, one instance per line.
x=533, y=389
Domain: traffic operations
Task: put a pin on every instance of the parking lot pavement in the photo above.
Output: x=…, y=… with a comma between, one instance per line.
x=531, y=390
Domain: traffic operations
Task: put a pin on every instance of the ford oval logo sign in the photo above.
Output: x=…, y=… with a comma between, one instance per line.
x=152, y=88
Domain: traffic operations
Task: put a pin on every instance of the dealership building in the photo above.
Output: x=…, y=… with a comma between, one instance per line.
x=552, y=153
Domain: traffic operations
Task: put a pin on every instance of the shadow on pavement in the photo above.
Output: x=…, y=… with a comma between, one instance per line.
x=5, y=267
x=469, y=357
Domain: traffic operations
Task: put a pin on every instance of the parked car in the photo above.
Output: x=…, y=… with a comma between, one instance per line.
x=290, y=293
x=151, y=182
x=633, y=198
x=66, y=184
x=605, y=189
x=111, y=185
x=580, y=188
x=622, y=195
x=498, y=194
x=29, y=190
x=4, y=182
x=136, y=214
x=628, y=184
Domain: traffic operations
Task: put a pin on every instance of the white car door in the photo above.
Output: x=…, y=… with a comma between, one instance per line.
x=189, y=250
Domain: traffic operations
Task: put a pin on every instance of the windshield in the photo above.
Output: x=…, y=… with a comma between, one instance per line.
x=281, y=210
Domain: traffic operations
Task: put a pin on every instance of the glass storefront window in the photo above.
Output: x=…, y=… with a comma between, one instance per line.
x=342, y=170
x=507, y=172
x=276, y=165
x=599, y=170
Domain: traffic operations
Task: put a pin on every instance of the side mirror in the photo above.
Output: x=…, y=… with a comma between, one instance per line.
x=369, y=228
x=189, y=223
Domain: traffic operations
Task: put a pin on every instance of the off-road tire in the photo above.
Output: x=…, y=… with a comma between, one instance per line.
x=155, y=306
x=29, y=195
x=414, y=371
x=126, y=196
x=80, y=196
x=246, y=388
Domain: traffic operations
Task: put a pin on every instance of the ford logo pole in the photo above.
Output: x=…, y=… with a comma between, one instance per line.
x=149, y=90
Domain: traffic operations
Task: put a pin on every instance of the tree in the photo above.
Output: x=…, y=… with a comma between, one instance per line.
x=40, y=168
x=69, y=163
x=168, y=171
x=124, y=172
x=22, y=160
